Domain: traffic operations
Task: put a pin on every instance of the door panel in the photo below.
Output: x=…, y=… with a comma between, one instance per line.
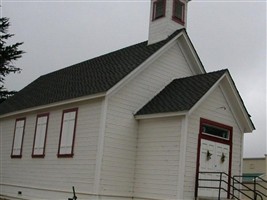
x=214, y=157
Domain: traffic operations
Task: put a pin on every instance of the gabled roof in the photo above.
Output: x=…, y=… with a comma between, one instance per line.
x=181, y=94
x=86, y=78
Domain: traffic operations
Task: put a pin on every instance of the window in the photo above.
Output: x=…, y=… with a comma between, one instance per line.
x=178, y=11
x=41, y=125
x=215, y=131
x=159, y=9
x=18, y=138
x=67, y=133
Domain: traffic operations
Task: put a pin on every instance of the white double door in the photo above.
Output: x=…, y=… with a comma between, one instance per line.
x=214, y=157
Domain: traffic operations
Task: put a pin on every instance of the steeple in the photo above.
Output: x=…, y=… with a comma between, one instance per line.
x=166, y=16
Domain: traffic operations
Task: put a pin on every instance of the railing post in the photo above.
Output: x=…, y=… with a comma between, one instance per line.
x=220, y=184
x=196, y=186
x=254, y=188
x=233, y=186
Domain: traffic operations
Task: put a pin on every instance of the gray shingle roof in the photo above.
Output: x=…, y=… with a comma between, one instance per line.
x=86, y=78
x=181, y=94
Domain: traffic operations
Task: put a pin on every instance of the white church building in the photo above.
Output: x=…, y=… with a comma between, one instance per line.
x=143, y=122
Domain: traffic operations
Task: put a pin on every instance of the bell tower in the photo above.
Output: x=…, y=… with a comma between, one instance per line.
x=166, y=16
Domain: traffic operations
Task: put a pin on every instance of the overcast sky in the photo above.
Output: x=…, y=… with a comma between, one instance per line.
x=226, y=34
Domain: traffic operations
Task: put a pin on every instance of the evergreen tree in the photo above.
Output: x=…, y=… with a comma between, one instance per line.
x=8, y=54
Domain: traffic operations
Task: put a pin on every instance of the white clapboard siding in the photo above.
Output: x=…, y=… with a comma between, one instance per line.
x=51, y=173
x=157, y=160
x=121, y=127
x=210, y=109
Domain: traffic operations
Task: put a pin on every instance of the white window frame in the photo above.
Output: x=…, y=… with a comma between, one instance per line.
x=67, y=133
x=39, y=142
x=18, y=138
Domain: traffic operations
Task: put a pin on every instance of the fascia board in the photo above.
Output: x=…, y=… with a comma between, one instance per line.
x=240, y=104
x=191, y=55
x=236, y=118
x=142, y=67
x=211, y=90
x=47, y=106
x=161, y=115
x=226, y=93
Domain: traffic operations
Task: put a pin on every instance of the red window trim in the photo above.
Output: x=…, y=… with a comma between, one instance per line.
x=154, y=8
x=215, y=139
x=74, y=133
x=18, y=156
x=174, y=18
x=43, y=154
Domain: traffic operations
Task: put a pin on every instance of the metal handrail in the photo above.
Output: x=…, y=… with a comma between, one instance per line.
x=255, y=184
x=231, y=186
x=255, y=192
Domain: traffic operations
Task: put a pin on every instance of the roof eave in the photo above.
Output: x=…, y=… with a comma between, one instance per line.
x=60, y=103
x=160, y=115
x=246, y=120
x=194, y=58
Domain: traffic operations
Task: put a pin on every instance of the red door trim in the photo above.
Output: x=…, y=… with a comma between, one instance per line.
x=214, y=139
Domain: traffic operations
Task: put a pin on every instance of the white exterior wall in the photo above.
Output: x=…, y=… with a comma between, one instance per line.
x=210, y=109
x=117, y=173
x=157, y=161
x=51, y=177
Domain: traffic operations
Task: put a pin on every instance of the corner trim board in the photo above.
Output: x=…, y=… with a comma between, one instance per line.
x=182, y=161
x=100, y=146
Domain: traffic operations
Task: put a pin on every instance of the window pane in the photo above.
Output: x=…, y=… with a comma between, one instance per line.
x=18, y=137
x=69, y=136
x=40, y=135
x=68, y=126
x=159, y=9
x=216, y=131
x=64, y=134
x=178, y=10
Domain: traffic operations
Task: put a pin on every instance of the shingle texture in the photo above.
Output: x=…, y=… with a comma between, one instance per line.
x=181, y=94
x=86, y=78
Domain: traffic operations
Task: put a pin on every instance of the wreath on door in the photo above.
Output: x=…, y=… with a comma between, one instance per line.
x=209, y=155
x=222, y=158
